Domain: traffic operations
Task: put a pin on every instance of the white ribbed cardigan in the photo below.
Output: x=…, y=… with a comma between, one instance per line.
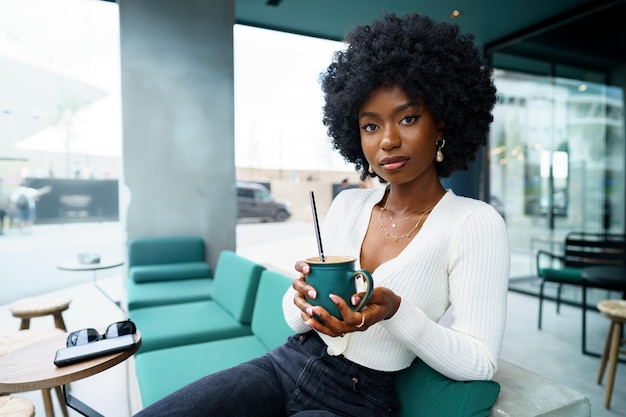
x=459, y=260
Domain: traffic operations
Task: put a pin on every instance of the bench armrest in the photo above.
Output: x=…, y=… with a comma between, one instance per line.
x=552, y=256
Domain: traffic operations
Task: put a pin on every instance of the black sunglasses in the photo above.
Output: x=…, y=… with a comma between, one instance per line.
x=84, y=336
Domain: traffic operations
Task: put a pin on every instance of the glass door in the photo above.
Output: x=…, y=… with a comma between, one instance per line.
x=556, y=161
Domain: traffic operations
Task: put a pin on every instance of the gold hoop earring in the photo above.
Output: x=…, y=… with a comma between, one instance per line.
x=370, y=170
x=439, y=156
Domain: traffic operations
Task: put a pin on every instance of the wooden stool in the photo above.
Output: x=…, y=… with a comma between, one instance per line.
x=28, y=308
x=614, y=310
x=12, y=406
x=23, y=337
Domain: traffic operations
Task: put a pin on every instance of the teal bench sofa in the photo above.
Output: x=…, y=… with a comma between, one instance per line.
x=228, y=314
x=160, y=372
x=167, y=270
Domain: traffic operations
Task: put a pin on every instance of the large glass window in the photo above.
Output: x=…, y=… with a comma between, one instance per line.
x=60, y=107
x=556, y=159
x=60, y=102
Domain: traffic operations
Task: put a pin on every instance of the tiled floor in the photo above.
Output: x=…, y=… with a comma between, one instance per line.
x=553, y=352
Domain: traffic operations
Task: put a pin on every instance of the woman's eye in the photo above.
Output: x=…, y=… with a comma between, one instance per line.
x=407, y=120
x=369, y=127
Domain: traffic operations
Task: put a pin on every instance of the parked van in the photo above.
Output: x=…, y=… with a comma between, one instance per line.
x=255, y=201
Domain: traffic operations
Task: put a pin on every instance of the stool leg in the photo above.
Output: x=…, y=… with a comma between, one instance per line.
x=613, y=357
x=61, y=399
x=47, y=402
x=605, y=353
x=25, y=324
x=58, y=321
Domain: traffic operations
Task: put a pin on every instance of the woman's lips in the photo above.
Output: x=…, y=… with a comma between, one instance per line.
x=394, y=164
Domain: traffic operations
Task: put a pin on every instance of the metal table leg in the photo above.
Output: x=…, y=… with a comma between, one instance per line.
x=78, y=405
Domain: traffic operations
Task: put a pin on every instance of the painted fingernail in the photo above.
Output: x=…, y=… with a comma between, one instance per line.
x=356, y=300
x=309, y=311
x=333, y=298
x=312, y=294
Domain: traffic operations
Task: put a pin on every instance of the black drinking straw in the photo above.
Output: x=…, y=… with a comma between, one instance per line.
x=317, y=227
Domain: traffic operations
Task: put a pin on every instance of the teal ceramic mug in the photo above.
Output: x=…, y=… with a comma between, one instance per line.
x=336, y=275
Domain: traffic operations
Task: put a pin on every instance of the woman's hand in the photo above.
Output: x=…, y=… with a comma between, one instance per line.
x=382, y=305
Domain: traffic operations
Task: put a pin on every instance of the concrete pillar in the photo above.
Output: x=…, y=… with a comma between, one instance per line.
x=178, y=120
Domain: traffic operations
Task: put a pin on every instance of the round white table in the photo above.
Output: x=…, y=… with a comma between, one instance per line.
x=31, y=367
x=104, y=263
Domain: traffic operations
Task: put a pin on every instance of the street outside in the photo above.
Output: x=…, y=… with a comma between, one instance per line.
x=28, y=262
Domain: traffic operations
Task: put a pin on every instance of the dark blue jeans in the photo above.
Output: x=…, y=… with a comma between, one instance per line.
x=296, y=379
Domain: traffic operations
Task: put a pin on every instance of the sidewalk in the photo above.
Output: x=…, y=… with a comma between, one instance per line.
x=28, y=262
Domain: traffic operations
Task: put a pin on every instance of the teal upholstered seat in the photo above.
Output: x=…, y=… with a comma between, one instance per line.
x=150, y=294
x=160, y=372
x=167, y=270
x=564, y=274
x=228, y=314
x=185, y=323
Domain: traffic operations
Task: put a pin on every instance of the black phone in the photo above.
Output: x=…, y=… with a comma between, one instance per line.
x=70, y=355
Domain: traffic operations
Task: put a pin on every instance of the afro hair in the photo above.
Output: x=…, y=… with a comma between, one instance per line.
x=432, y=62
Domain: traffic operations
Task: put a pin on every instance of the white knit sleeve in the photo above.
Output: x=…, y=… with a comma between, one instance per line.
x=292, y=313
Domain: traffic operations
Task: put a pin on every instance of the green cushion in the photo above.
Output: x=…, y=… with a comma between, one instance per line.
x=235, y=285
x=181, y=324
x=165, y=250
x=168, y=272
x=268, y=320
x=161, y=372
x=565, y=274
x=424, y=392
x=150, y=294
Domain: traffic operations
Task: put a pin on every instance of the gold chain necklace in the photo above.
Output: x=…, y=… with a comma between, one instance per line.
x=393, y=223
x=395, y=238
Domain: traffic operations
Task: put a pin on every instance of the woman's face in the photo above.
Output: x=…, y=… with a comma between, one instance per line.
x=399, y=136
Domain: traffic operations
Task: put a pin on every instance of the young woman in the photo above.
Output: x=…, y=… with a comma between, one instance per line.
x=409, y=101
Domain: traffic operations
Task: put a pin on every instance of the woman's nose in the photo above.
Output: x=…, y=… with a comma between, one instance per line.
x=390, y=140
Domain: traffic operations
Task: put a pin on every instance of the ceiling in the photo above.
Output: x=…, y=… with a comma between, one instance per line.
x=584, y=32
x=592, y=35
